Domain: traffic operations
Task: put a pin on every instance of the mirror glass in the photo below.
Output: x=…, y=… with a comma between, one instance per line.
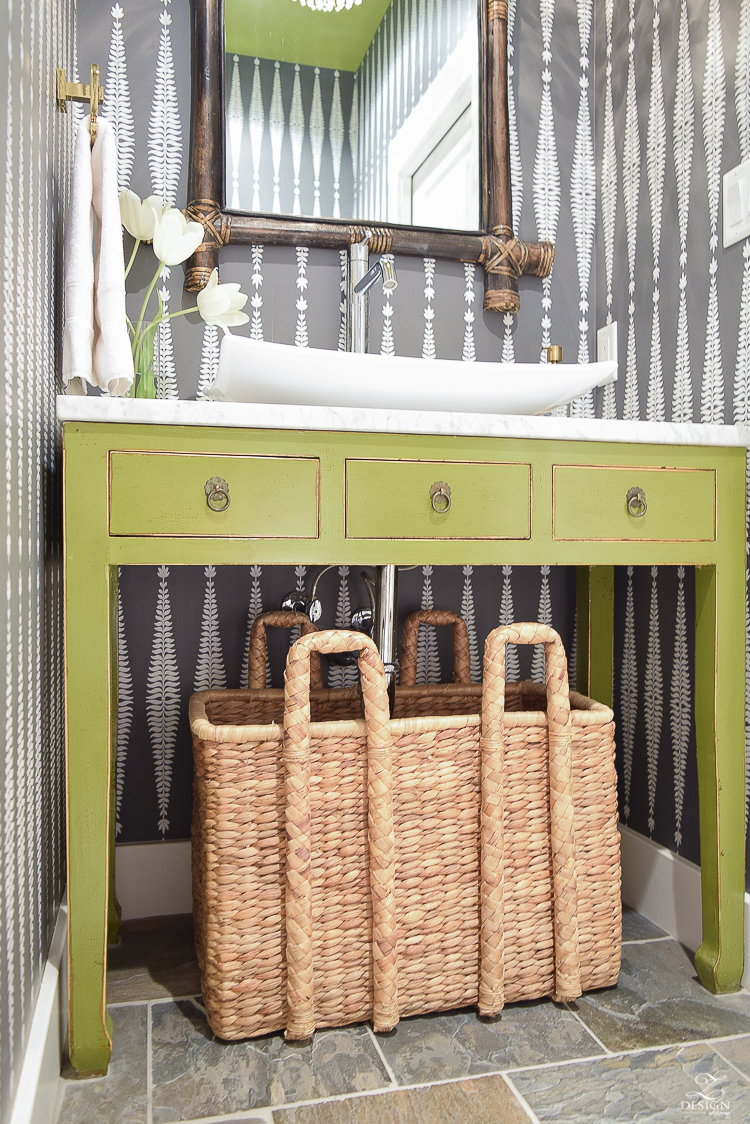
x=367, y=113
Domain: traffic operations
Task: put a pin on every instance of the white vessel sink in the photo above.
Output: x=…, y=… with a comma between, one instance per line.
x=252, y=371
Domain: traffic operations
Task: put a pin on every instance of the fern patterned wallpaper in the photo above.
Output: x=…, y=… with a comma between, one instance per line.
x=623, y=117
x=311, y=141
x=290, y=131
x=38, y=36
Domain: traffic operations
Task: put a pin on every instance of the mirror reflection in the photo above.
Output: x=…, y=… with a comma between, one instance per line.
x=368, y=113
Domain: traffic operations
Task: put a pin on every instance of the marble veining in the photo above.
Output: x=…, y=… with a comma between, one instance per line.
x=171, y=411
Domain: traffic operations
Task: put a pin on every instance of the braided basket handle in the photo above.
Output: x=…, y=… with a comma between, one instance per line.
x=461, y=658
x=256, y=660
x=567, y=956
x=381, y=838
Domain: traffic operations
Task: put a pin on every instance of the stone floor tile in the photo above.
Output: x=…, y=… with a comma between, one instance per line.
x=658, y=1000
x=161, y=1116
x=121, y=1096
x=671, y=1086
x=735, y=1050
x=437, y=1047
x=196, y=1075
x=487, y=1100
x=154, y=958
x=636, y=927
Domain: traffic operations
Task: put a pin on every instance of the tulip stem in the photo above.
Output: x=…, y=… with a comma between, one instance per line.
x=181, y=312
x=149, y=291
x=132, y=257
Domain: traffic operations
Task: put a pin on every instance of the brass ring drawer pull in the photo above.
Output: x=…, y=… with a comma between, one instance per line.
x=217, y=494
x=636, y=501
x=440, y=497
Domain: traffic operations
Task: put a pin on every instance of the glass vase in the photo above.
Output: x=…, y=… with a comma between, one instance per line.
x=143, y=361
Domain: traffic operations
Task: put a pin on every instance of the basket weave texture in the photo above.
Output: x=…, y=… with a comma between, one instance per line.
x=459, y=697
x=327, y=703
x=377, y=868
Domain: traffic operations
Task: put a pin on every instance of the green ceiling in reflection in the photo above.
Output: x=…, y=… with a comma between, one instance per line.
x=289, y=32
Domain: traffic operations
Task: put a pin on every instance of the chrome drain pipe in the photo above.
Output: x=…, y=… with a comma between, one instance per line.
x=384, y=633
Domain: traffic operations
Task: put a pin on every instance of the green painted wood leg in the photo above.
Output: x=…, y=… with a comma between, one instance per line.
x=720, y=733
x=89, y=782
x=114, y=913
x=595, y=595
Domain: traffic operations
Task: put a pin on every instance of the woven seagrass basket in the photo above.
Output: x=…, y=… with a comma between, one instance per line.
x=459, y=697
x=378, y=868
x=327, y=703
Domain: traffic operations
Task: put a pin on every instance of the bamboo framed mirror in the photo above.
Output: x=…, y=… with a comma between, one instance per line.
x=341, y=144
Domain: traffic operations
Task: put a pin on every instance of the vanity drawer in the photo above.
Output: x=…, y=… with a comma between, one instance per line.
x=591, y=503
x=391, y=499
x=164, y=494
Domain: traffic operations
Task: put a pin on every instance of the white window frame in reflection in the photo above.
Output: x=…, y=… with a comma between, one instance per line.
x=454, y=89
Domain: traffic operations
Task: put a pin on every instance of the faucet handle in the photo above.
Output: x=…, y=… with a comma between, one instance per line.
x=385, y=270
x=369, y=279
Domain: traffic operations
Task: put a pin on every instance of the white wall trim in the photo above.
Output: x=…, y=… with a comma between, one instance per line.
x=38, y=1084
x=453, y=89
x=666, y=889
x=153, y=879
x=662, y=886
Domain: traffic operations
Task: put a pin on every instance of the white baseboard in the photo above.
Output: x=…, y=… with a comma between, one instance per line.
x=153, y=879
x=38, y=1084
x=666, y=889
x=662, y=886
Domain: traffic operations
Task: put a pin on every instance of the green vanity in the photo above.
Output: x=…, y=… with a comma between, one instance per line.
x=353, y=486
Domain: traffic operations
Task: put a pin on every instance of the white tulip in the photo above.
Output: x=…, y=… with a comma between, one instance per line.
x=139, y=217
x=175, y=239
x=221, y=304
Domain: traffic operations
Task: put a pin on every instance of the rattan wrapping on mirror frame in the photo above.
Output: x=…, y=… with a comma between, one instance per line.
x=380, y=868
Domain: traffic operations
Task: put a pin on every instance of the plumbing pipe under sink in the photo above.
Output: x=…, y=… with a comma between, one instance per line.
x=361, y=279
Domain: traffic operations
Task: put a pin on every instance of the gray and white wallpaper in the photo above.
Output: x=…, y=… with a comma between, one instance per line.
x=407, y=53
x=290, y=131
x=38, y=37
x=311, y=141
x=623, y=118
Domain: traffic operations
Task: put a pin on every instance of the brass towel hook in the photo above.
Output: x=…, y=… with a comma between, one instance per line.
x=76, y=91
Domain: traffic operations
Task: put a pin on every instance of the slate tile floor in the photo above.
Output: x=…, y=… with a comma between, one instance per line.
x=655, y=1048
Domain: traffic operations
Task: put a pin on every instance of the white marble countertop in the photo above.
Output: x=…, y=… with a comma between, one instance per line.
x=71, y=408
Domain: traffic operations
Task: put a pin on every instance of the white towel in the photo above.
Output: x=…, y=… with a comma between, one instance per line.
x=96, y=346
x=78, y=336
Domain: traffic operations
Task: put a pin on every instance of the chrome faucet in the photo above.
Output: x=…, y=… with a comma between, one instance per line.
x=361, y=280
